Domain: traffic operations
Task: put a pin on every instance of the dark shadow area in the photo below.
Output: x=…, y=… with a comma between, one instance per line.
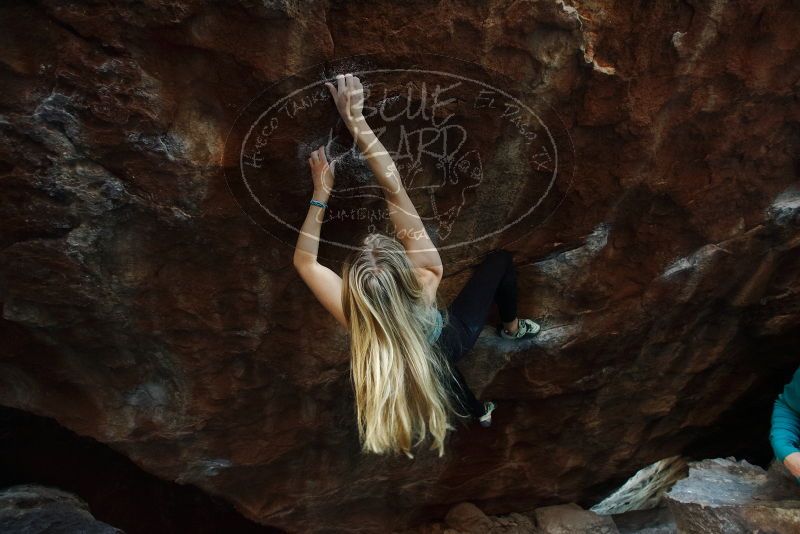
x=750, y=441
x=38, y=450
x=742, y=431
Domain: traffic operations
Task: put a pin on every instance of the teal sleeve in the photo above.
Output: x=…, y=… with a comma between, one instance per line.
x=784, y=434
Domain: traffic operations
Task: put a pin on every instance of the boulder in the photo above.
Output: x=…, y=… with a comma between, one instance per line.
x=651, y=521
x=468, y=518
x=726, y=496
x=572, y=519
x=31, y=509
x=146, y=302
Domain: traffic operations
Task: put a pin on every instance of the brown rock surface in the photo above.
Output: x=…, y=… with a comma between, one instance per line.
x=143, y=308
x=572, y=519
x=725, y=496
x=466, y=518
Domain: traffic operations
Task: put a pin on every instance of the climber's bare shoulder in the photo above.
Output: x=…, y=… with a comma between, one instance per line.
x=423, y=257
x=429, y=278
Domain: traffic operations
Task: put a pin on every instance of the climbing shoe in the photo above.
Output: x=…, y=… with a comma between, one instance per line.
x=486, y=419
x=527, y=328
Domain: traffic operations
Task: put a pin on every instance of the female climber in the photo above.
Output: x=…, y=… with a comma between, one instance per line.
x=403, y=346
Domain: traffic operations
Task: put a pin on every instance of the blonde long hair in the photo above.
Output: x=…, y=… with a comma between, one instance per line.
x=400, y=380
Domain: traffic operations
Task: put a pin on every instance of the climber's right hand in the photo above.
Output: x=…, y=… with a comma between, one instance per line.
x=348, y=97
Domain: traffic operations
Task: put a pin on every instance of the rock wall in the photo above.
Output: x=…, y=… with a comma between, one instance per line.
x=143, y=308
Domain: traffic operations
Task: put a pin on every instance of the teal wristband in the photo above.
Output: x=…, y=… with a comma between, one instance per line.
x=318, y=203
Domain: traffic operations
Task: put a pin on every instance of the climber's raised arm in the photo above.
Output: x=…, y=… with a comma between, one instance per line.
x=349, y=99
x=323, y=282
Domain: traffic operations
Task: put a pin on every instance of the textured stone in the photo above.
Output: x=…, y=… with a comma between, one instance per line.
x=653, y=521
x=572, y=519
x=723, y=496
x=29, y=509
x=466, y=518
x=143, y=308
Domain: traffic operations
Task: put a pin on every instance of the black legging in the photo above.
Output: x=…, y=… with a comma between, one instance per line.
x=494, y=280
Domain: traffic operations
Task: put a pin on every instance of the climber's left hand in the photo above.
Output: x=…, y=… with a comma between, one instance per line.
x=322, y=172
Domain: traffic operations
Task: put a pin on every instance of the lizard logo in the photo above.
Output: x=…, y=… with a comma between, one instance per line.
x=483, y=165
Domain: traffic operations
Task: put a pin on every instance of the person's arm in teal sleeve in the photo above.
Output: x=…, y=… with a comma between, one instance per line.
x=784, y=435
